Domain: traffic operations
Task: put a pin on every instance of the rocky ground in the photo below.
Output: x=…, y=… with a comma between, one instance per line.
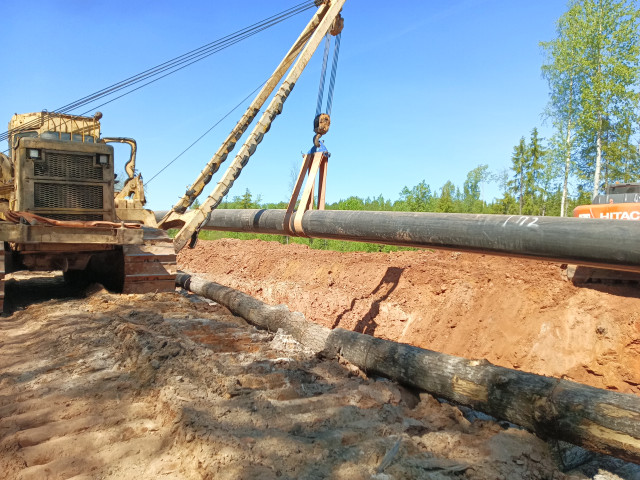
x=97, y=385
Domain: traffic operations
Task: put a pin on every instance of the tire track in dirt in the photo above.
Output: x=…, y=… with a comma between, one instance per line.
x=164, y=386
x=64, y=407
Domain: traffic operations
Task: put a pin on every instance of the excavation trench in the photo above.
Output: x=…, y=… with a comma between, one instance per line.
x=170, y=384
x=600, y=420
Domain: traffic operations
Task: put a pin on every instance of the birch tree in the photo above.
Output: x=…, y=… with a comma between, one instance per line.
x=593, y=72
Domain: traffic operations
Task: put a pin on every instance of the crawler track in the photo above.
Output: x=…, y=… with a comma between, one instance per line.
x=150, y=267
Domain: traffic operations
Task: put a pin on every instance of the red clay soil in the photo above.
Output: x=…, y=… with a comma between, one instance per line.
x=515, y=313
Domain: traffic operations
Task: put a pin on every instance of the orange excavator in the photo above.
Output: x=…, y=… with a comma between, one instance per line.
x=621, y=202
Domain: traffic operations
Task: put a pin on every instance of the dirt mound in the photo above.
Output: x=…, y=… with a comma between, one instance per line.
x=515, y=313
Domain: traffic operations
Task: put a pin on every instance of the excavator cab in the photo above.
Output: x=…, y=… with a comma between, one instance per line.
x=624, y=189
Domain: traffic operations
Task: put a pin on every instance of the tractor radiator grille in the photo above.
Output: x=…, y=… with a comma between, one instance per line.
x=64, y=165
x=84, y=217
x=53, y=195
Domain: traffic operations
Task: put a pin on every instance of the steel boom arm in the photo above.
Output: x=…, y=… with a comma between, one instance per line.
x=230, y=142
x=326, y=14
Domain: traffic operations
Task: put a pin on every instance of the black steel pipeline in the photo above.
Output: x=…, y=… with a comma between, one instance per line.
x=593, y=242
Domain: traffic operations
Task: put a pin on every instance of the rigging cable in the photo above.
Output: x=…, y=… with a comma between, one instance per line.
x=322, y=121
x=228, y=39
x=173, y=65
x=205, y=133
x=323, y=71
x=334, y=69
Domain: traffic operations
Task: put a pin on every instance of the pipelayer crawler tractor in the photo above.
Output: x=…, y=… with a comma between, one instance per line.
x=59, y=209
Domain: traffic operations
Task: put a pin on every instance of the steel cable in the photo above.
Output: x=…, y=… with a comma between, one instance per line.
x=205, y=133
x=332, y=79
x=175, y=64
x=195, y=52
x=332, y=76
x=323, y=74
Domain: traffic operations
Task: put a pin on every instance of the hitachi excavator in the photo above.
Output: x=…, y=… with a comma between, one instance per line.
x=620, y=202
x=59, y=208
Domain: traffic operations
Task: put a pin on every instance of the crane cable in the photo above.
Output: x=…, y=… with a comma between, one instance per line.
x=205, y=133
x=322, y=121
x=209, y=48
x=332, y=77
x=171, y=66
x=334, y=69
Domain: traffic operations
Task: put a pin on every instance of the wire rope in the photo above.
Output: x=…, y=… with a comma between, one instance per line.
x=205, y=133
x=173, y=65
x=323, y=72
x=334, y=69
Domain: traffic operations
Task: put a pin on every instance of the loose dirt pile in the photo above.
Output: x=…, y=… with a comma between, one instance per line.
x=162, y=386
x=515, y=313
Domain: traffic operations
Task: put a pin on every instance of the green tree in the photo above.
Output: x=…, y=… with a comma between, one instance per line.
x=418, y=199
x=246, y=200
x=472, y=189
x=560, y=71
x=449, y=197
x=507, y=204
x=519, y=159
x=351, y=203
x=527, y=183
x=377, y=204
x=559, y=165
x=534, y=173
x=593, y=65
x=243, y=201
x=553, y=196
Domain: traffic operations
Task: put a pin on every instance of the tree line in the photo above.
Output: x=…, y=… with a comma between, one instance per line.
x=593, y=69
x=520, y=195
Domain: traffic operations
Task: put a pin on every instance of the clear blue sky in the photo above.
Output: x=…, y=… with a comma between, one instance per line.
x=425, y=89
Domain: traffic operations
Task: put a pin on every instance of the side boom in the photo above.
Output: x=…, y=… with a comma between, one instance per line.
x=230, y=142
x=274, y=109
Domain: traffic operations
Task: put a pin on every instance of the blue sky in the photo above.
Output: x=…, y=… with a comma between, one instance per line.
x=425, y=90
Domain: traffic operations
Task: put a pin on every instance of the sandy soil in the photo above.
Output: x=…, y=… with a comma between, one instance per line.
x=103, y=386
x=515, y=313
x=166, y=386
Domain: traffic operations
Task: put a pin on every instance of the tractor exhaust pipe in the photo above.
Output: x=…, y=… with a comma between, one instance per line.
x=594, y=242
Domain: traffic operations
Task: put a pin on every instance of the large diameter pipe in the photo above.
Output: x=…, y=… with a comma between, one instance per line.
x=594, y=242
